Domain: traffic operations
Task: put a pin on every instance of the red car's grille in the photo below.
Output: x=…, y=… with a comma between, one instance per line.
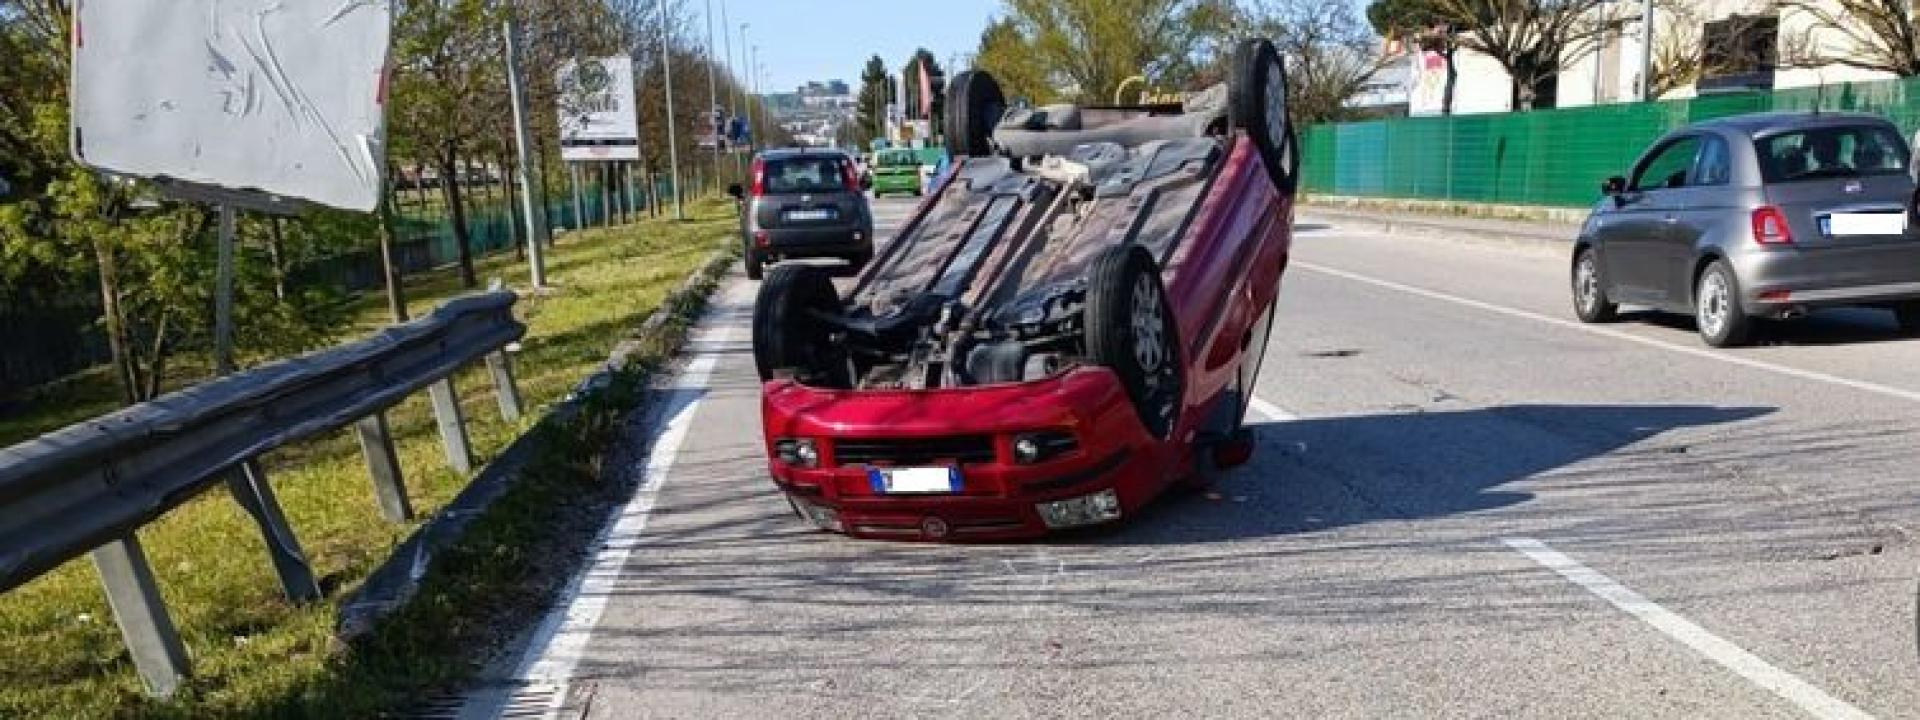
x=964, y=449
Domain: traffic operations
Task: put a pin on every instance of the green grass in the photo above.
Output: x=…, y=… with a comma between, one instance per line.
x=255, y=654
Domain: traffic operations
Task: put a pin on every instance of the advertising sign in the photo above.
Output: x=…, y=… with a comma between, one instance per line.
x=259, y=97
x=599, y=119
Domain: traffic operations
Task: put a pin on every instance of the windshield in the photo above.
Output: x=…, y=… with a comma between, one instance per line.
x=1832, y=152
x=899, y=158
x=804, y=175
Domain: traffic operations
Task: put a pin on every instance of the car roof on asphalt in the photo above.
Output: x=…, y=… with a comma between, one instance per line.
x=1756, y=124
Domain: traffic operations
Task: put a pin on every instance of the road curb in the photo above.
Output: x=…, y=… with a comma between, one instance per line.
x=396, y=580
x=1438, y=228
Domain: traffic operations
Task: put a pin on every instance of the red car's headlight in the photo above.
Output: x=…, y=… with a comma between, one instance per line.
x=797, y=451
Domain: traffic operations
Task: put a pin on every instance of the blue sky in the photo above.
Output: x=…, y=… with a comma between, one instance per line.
x=803, y=40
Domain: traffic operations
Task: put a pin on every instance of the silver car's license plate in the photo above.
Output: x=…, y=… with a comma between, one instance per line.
x=1858, y=224
x=811, y=215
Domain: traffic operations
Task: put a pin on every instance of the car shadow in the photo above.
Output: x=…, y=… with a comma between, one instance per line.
x=1836, y=326
x=1318, y=474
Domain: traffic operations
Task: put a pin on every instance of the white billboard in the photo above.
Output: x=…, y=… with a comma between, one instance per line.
x=599, y=119
x=282, y=98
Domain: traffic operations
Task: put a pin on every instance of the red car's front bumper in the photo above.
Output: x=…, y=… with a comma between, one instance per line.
x=973, y=429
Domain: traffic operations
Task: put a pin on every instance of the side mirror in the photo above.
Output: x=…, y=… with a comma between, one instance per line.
x=1613, y=186
x=736, y=192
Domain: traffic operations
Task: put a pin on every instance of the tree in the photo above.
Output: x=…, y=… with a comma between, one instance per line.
x=876, y=91
x=1008, y=54
x=1533, y=40
x=1330, y=55
x=447, y=80
x=1089, y=47
x=1425, y=26
x=1877, y=35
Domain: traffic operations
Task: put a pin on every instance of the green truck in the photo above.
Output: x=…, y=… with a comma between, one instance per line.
x=896, y=170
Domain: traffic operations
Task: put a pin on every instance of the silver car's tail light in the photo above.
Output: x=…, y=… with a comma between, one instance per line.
x=1770, y=226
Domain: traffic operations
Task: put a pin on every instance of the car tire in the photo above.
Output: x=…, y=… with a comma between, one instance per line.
x=859, y=262
x=787, y=338
x=1130, y=330
x=1722, y=318
x=1590, y=301
x=1908, y=315
x=974, y=105
x=1257, y=103
x=756, y=267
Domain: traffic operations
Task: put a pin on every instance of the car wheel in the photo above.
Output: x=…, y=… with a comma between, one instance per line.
x=859, y=262
x=1590, y=301
x=756, y=267
x=1722, y=319
x=1130, y=330
x=788, y=338
x=1908, y=313
x=974, y=105
x=1258, y=104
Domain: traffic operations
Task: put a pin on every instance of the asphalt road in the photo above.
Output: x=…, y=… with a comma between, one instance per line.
x=1463, y=505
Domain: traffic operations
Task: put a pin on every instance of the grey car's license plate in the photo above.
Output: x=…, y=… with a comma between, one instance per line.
x=812, y=215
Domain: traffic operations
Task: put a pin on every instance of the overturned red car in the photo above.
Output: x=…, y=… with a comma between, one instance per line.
x=1070, y=323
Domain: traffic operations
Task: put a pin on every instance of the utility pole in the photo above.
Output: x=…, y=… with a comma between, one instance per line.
x=746, y=103
x=713, y=93
x=733, y=112
x=673, y=145
x=1646, y=50
x=535, y=211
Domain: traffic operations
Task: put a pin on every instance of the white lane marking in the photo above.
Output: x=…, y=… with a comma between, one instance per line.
x=561, y=640
x=1731, y=359
x=1745, y=664
x=1272, y=411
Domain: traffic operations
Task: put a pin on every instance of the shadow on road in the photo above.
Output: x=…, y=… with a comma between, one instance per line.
x=1323, y=473
x=1838, y=326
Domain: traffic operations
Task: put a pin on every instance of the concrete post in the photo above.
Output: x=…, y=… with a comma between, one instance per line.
x=501, y=368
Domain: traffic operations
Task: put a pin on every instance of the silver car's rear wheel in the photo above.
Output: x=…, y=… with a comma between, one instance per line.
x=1717, y=308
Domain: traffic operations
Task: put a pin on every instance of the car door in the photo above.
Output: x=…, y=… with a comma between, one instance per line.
x=1638, y=231
x=1691, y=214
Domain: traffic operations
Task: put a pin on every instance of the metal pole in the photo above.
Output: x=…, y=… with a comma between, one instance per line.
x=746, y=89
x=673, y=145
x=1646, y=50
x=536, y=218
x=223, y=296
x=713, y=91
x=579, y=206
x=733, y=99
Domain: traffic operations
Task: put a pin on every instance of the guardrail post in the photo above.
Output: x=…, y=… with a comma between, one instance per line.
x=389, y=489
x=501, y=367
x=453, y=427
x=142, y=615
x=248, y=483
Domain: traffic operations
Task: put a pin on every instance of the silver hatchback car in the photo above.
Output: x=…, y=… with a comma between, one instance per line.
x=1756, y=216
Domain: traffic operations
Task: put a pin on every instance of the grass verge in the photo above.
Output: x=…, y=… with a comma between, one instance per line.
x=255, y=654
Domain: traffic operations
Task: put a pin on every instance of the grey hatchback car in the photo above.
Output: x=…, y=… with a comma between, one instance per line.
x=1756, y=216
x=804, y=203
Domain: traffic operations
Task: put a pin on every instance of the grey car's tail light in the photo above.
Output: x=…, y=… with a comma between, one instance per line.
x=1770, y=226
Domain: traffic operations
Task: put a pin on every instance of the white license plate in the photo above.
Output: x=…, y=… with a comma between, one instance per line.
x=914, y=481
x=1854, y=224
x=804, y=215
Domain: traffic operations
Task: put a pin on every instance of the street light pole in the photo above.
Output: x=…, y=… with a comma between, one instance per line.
x=673, y=144
x=713, y=92
x=535, y=212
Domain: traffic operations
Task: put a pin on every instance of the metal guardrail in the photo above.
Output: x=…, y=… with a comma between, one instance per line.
x=88, y=487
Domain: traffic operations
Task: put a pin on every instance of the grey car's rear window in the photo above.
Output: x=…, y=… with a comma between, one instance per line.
x=1831, y=152
x=804, y=175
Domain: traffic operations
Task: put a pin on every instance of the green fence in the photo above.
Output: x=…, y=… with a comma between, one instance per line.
x=1547, y=157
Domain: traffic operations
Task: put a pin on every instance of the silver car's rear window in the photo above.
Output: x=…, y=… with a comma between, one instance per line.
x=1830, y=152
